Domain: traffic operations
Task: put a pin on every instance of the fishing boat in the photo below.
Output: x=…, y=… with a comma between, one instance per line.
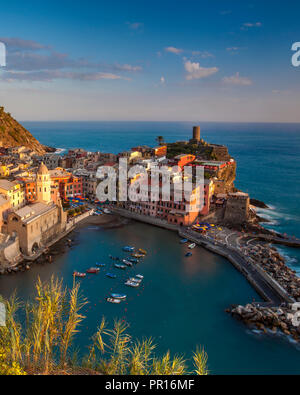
x=128, y=249
x=114, y=258
x=132, y=284
x=78, y=274
x=135, y=280
x=118, y=296
x=106, y=211
x=113, y=300
x=189, y=254
x=93, y=270
x=183, y=241
x=127, y=263
x=139, y=276
x=192, y=246
x=119, y=266
x=111, y=275
x=100, y=264
x=144, y=252
x=137, y=255
x=133, y=260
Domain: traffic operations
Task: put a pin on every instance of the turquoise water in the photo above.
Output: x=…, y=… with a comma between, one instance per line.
x=181, y=302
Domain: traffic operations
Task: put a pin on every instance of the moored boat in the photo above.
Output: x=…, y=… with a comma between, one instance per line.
x=111, y=275
x=133, y=260
x=183, y=241
x=93, y=270
x=127, y=263
x=137, y=255
x=139, y=276
x=113, y=300
x=114, y=258
x=189, y=254
x=128, y=249
x=100, y=264
x=135, y=280
x=144, y=252
x=131, y=284
x=118, y=296
x=119, y=266
x=78, y=274
x=192, y=246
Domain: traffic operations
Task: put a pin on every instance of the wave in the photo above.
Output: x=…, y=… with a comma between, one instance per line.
x=289, y=259
x=60, y=150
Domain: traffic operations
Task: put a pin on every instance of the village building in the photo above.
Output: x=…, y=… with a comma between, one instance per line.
x=39, y=223
x=14, y=192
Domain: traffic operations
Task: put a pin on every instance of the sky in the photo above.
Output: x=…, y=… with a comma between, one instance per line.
x=179, y=60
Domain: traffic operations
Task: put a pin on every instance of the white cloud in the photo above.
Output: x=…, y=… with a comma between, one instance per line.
x=195, y=71
x=249, y=25
x=233, y=49
x=174, y=50
x=202, y=54
x=236, y=79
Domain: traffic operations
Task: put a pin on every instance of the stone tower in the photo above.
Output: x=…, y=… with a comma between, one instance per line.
x=43, y=185
x=196, y=133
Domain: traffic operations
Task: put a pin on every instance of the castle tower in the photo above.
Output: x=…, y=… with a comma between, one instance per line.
x=43, y=185
x=196, y=133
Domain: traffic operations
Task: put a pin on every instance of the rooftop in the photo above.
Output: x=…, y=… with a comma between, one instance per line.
x=8, y=185
x=31, y=212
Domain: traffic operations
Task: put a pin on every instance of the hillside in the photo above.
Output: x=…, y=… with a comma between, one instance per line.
x=13, y=134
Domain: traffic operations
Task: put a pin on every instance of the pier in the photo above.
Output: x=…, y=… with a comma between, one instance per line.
x=266, y=286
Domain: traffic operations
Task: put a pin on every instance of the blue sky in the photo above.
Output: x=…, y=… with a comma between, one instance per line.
x=151, y=60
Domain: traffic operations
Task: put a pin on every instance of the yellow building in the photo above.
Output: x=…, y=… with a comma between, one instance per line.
x=39, y=223
x=14, y=192
x=4, y=171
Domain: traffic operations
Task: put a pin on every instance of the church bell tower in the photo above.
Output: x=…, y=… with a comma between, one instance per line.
x=43, y=185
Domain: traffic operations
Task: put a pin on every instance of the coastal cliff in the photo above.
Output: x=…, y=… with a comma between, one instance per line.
x=13, y=134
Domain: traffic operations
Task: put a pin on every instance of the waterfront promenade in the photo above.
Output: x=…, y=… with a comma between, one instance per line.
x=230, y=248
x=267, y=287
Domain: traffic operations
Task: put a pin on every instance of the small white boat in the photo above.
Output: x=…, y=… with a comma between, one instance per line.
x=119, y=296
x=132, y=284
x=135, y=280
x=113, y=300
x=127, y=262
x=140, y=276
x=106, y=211
x=192, y=246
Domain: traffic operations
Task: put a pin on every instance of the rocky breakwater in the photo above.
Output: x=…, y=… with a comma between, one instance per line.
x=269, y=259
x=283, y=319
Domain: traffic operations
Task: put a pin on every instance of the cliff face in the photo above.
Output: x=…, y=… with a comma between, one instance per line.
x=12, y=134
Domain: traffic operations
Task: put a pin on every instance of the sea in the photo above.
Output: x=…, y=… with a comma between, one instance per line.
x=181, y=302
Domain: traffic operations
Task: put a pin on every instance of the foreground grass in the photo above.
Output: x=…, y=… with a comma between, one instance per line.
x=43, y=345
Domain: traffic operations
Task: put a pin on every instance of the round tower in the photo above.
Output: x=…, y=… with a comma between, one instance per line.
x=196, y=133
x=43, y=184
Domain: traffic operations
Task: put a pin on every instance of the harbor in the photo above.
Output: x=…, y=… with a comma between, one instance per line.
x=205, y=283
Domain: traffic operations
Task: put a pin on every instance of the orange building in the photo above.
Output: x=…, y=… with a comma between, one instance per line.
x=68, y=184
x=182, y=160
x=160, y=151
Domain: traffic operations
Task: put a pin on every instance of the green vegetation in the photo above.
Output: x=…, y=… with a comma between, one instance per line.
x=201, y=150
x=73, y=212
x=43, y=345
